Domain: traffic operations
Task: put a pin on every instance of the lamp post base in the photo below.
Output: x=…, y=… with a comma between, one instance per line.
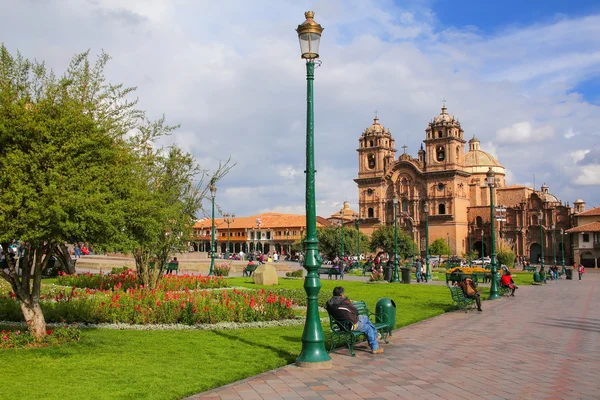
x=315, y=365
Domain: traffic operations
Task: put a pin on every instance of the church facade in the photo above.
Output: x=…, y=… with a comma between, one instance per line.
x=448, y=178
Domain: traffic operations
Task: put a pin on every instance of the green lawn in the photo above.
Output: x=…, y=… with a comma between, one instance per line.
x=108, y=364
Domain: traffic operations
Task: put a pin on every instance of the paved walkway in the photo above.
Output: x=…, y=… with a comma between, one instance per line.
x=542, y=344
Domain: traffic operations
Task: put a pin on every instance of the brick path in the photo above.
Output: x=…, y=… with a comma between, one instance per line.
x=546, y=345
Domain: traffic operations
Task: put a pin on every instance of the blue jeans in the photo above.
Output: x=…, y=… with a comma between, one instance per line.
x=365, y=325
x=418, y=276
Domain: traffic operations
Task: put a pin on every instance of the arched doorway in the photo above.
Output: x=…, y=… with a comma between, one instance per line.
x=587, y=260
x=535, y=253
x=480, y=247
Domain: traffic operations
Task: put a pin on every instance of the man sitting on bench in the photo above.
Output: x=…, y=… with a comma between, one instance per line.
x=470, y=290
x=341, y=308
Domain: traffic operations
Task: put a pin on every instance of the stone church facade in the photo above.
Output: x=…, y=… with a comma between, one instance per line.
x=450, y=178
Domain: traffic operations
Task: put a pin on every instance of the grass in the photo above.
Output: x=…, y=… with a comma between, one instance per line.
x=109, y=364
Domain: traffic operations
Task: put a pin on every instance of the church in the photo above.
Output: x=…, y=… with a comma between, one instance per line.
x=447, y=179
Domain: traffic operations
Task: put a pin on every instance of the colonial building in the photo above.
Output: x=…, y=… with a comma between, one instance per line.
x=450, y=182
x=586, y=235
x=265, y=233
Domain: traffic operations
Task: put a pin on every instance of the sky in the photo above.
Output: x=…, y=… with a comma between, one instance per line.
x=522, y=76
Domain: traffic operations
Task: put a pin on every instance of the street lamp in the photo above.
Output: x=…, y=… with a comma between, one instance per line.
x=491, y=182
x=427, y=269
x=259, y=237
x=313, y=354
x=213, y=193
x=541, y=218
x=562, y=241
x=553, y=245
x=228, y=219
x=342, y=221
x=471, y=251
x=395, y=278
x=357, y=223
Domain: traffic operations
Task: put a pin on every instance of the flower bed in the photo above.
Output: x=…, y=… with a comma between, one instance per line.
x=152, y=306
x=468, y=270
x=128, y=280
x=22, y=338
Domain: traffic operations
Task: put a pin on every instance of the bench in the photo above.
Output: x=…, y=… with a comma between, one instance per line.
x=250, y=268
x=459, y=299
x=530, y=268
x=172, y=266
x=341, y=331
x=330, y=271
x=502, y=290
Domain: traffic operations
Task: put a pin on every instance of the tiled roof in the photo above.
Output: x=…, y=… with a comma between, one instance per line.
x=591, y=227
x=591, y=212
x=268, y=221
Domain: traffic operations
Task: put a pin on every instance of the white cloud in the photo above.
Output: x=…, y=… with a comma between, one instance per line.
x=524, y=132
x=588, y=175
x=578, y=155
x=239, y=94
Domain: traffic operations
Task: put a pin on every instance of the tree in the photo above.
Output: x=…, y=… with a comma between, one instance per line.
x=383, y=238
x=505, y=255
x=77, y=164
x=439, y=247
x=330, y=241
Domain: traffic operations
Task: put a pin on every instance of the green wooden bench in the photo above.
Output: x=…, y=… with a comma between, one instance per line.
x=459, y=299
x=330, y=271
x=250, y=268
x=530, y=268
x=341, y=331
x=172, y=266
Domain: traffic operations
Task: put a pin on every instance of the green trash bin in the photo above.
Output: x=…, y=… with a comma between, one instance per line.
x=386, y=312
x=536, y=277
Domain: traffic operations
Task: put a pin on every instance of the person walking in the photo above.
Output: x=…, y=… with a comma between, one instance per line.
x=419, y=269
x=581, y=270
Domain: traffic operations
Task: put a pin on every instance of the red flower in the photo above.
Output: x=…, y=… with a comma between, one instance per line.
x=49, y=332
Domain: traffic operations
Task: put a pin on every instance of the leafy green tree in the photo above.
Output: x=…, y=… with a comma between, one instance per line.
x=439, y=247
x=77, y=164
x=383, y=238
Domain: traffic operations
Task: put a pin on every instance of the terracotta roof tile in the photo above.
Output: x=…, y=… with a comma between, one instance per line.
x=268, y=221
x=591, y=227
x=591, y=212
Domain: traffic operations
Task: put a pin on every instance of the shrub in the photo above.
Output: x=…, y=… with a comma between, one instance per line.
x=507, y=257
x=122, y=270
x=22, y=338
x=222, y=269
x=299, y=273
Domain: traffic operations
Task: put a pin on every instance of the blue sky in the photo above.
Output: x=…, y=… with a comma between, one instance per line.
x=523, y=76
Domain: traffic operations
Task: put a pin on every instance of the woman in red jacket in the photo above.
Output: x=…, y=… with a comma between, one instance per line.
x=507, y=281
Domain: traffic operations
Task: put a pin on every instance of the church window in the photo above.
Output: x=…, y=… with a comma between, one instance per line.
x=457, y=153
x=439, y=134
x=440, y=153
x=404, y=205
x=371, y=161
x=534, y=219
x=441, y=209
x=371, y=143
x=479, y=222
x=370, y=213
x=369, y=191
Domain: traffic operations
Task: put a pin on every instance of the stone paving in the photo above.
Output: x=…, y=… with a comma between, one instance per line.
x=544, y=343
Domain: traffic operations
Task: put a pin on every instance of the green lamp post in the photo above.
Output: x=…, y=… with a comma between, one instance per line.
x=427, y=269
x=562, y=250
x=482, y=247
x=395, y=278
x=541, y=218
x=259, y=237
x=313, y=354
x=553, y=245
x=213, y=193
x=470, y=251
x=491, y=182
x=342, y=222
x=357, y=223
x=228, y=219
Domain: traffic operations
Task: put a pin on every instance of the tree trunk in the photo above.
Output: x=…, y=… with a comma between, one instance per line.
x=64, y=258
x=35, y=320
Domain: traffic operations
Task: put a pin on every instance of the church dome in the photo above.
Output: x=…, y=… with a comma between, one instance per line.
x=474, y=140
x=376, y=129
x=479, y=158
x=443, y=117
